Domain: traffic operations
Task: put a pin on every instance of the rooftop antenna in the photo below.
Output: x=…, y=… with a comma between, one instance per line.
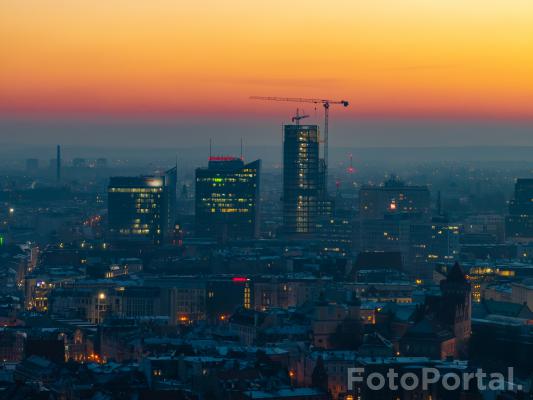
x=210, y=147
x=242, y=157
x=351, y=169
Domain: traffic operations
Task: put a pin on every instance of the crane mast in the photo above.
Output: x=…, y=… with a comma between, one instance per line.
x=325, y=103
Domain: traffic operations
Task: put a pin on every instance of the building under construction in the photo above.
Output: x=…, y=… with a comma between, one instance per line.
x=303, y=180
x=305, y=173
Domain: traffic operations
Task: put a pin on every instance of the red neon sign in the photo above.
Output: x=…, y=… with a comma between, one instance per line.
x=222, y=158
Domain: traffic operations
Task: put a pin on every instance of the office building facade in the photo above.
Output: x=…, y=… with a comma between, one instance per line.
x=386, y=213
x=519, y=222
x=432, y=243
x=394, y=197
x=227, y=199
x=139, y=209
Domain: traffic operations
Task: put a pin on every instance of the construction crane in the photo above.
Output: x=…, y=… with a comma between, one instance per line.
x=298, y=117
x=325, y=103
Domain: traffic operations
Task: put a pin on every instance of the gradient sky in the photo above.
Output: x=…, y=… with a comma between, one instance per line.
x=442, y=60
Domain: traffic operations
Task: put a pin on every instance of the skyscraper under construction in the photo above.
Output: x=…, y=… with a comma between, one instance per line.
x=303, y=179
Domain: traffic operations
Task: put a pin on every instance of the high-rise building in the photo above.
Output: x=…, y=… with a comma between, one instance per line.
x=388, y=234
x=431, y=243
x=303, y=191
x=336, y=233
x=386, y=214
x=519, y=222
x=171, y=181
x=227, y=199
x=139, y=209
x=394, y=197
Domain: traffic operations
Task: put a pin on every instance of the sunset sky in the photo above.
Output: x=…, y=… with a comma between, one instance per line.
x=171, y=60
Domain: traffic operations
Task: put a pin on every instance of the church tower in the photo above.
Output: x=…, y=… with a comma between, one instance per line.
x=456, y=307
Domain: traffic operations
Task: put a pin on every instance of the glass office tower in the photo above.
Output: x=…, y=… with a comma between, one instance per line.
x=302, y=182
x=227, y=199
x=519, y=222
x=139, y=209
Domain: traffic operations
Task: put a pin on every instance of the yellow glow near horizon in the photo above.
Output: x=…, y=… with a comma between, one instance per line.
x=410, y=57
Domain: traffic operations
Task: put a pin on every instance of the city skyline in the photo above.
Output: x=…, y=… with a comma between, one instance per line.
x=183, y=216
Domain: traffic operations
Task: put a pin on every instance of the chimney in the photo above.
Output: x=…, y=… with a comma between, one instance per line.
x=58, y=163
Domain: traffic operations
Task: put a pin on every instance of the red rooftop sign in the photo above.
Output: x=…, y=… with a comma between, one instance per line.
x=222, y=158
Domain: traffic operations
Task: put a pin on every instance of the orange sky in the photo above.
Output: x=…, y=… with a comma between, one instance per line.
x=390, y=58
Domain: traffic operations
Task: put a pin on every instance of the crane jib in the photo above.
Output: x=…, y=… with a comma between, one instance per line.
x=325, y=103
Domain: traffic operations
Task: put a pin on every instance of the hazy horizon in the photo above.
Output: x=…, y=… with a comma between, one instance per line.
x=195, y=132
